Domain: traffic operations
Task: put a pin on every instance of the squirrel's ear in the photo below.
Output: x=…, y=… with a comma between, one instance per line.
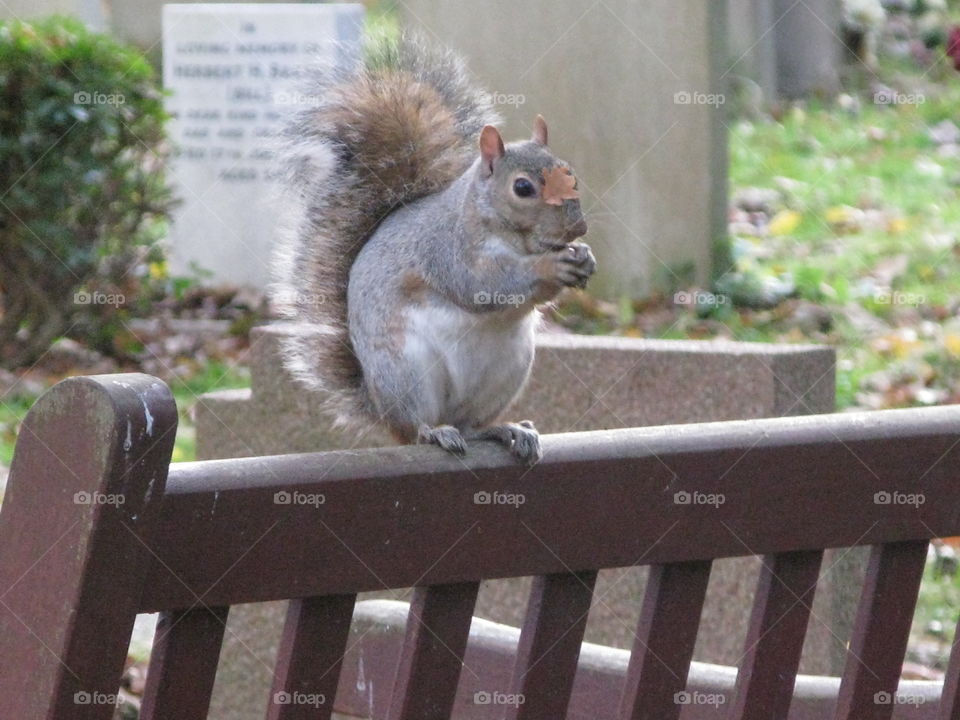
x=540, y=130
x=491, y=147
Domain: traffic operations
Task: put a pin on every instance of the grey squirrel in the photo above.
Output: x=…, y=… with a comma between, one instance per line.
x=421, y=249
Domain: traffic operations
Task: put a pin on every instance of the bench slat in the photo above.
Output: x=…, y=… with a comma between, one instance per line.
x=778, y=624
x=311, y=652
x=666, y=635
x=183, y=664
x=419, y=503
x=550, y=645
x=880, y=631
x=432, y=656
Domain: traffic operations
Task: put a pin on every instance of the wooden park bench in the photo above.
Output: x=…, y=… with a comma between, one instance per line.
x=98, y=526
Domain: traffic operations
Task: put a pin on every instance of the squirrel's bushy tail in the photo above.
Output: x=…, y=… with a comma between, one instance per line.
x=402, y=124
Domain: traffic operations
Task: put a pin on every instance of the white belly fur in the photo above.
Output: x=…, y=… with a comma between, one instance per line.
x=469, y=366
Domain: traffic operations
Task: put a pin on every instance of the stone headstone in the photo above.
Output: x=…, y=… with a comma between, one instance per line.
x=234, y=73
x=788, y=49
x=751, y=53
x=809, y=48
x=578, y=383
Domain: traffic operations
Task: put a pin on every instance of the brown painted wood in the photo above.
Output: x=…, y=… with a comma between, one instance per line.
x=778, y=624
x=432, y=656
x=663, y=647
x=880, y=631
x=549, y=647
x=183, y=664
x=311, y=652
x=419, y=503
x=81, y=507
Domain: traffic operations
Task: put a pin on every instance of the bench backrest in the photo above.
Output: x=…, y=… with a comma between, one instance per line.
x=97, y=526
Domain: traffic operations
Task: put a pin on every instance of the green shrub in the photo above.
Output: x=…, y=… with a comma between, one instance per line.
x=83, y=197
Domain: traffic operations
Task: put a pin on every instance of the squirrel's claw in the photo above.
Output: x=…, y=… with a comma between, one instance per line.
x=446, y=436
x=521, y=439
x=577, y=264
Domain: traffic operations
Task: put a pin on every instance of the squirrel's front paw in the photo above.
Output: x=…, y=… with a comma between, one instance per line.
x=575, y=264
x=521, y=439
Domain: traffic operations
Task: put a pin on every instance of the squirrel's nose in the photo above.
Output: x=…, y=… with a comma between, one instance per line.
x=574, y=223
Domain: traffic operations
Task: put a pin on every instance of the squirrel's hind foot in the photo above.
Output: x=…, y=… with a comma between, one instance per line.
x=446, y=436
x=521, y=439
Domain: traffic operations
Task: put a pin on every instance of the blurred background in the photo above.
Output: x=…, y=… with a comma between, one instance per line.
x=758, y=170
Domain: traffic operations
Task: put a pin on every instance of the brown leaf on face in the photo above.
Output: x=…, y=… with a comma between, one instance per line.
x=559, y=186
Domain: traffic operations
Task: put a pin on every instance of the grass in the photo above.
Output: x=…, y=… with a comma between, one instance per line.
x=882, y=160
x=11, y=413
x=900, y=174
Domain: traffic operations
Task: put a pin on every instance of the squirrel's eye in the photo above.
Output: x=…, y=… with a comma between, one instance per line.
x=523, y=188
